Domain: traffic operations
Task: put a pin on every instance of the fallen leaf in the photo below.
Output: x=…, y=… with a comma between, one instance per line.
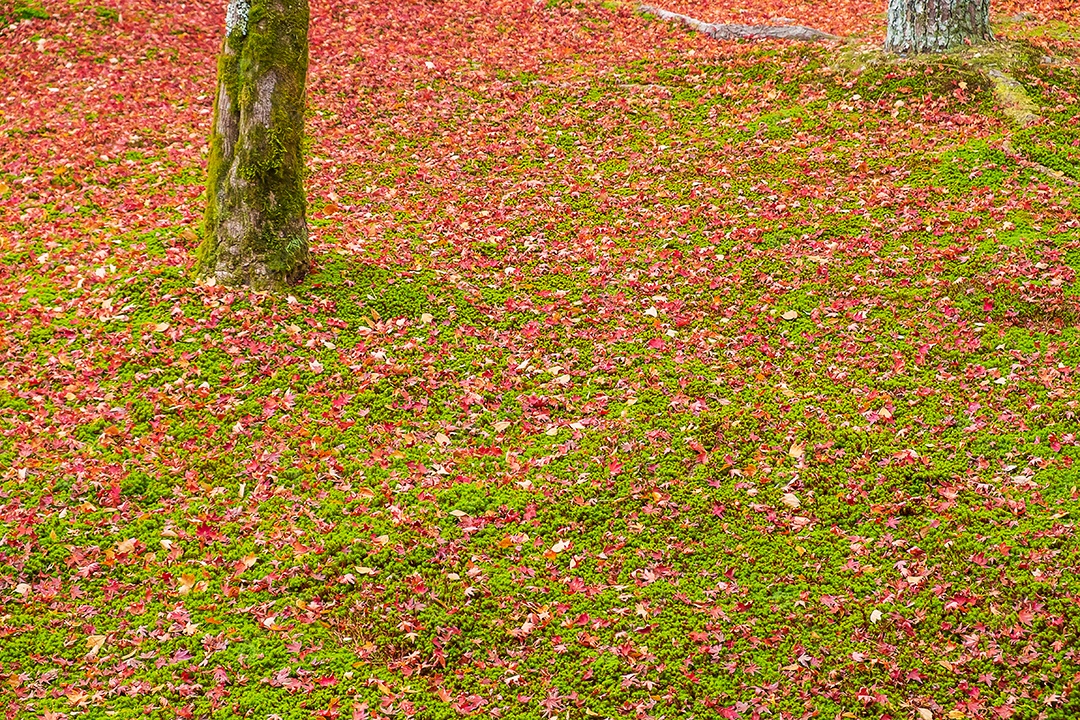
x=126, y=546
x=560, y=546
x=187, y=582
x=95, y=642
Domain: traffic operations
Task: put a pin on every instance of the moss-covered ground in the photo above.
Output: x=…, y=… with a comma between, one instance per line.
x=638, y=375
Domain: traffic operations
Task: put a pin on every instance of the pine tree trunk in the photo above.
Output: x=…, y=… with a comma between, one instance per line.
x=255, y=233
x=917, y=26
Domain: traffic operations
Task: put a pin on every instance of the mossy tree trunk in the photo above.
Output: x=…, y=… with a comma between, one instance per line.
x=917, y=26
x=255, y=232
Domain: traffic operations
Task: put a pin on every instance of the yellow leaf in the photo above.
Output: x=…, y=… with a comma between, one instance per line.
x=790, y=315
x=187, y=582
x=797, y=451
x=95, y=642
x=126, y=546
x=925, y=713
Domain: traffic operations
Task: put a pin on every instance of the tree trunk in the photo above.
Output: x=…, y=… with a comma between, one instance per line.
x=917, y=26
x=255, y=232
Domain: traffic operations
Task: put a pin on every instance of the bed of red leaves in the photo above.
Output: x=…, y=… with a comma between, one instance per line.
x=638, y=375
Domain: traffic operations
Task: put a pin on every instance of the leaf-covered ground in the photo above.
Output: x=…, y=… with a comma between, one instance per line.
x=640, y=375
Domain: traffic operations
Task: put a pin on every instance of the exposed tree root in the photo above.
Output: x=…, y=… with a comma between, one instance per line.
x=1015, y=101
x=721, y=31
x=1015, y=155
x=997, y=64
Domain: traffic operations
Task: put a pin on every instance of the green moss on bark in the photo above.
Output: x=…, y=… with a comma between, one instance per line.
x=255, y=228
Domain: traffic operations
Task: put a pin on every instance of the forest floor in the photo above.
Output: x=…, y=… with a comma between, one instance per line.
x=639, y=374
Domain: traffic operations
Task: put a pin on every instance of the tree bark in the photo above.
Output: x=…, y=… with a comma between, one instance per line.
x=918, y=26
x=255, y=232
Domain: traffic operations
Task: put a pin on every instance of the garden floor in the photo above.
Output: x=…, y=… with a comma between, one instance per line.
x=638, y=375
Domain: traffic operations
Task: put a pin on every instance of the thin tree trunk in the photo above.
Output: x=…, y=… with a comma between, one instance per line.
x=255, y=232
x=917, y=26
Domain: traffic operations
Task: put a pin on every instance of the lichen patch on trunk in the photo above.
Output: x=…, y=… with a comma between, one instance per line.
x=236, y=17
